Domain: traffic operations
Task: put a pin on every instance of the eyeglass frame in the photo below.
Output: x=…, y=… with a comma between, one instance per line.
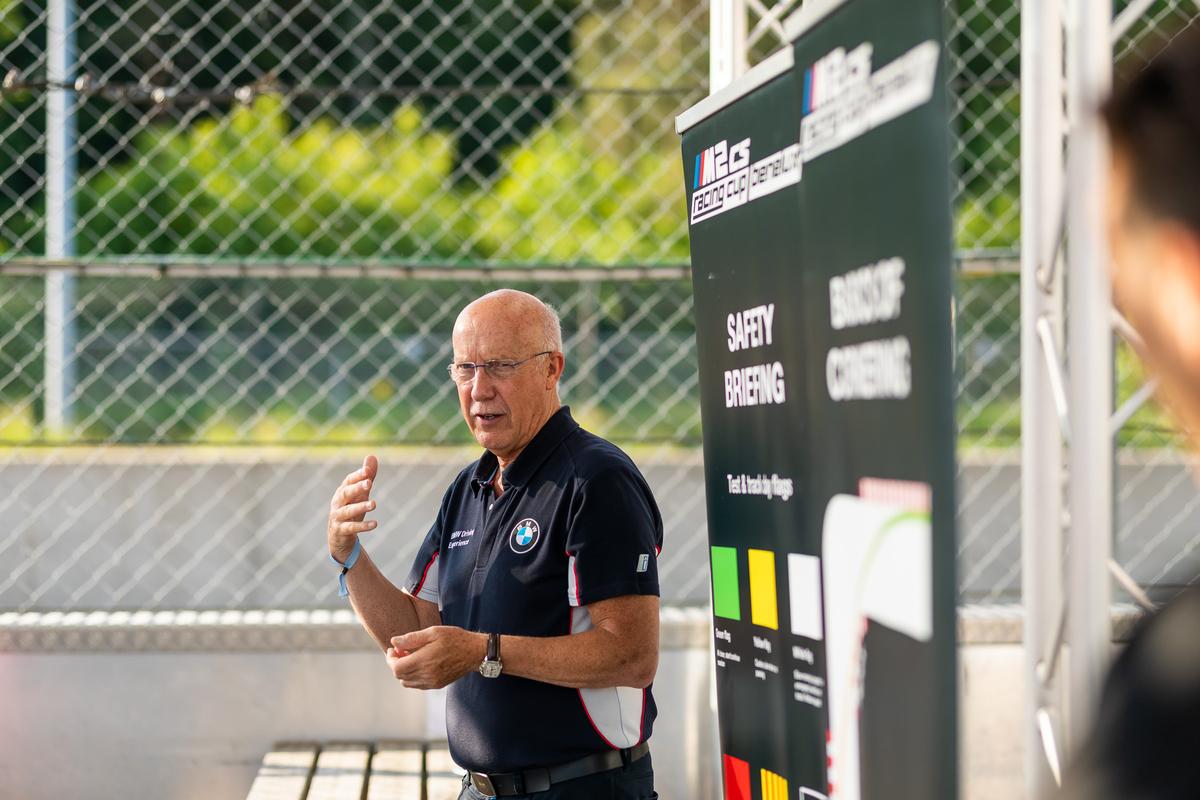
x=490, y=365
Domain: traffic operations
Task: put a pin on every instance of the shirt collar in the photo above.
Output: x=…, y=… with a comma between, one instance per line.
x=533, y=456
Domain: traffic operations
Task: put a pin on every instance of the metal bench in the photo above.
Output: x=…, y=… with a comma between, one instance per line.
x=385, y=770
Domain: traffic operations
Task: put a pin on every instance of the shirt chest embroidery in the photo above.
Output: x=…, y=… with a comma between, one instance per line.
x=461, y=538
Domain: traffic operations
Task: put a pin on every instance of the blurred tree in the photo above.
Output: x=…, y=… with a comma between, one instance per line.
x=21, y=161
x=486, y=72
x=984, y=43
x=243, y=185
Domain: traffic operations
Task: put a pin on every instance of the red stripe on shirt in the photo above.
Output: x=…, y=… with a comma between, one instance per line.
x=425, y=574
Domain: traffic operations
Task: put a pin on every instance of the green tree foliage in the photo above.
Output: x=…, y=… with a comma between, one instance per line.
x=563, y=203
x=246, y=185
x=441, y=60
x=382, y=57
x=18, y=173
x=11, y=21
x=984, y=40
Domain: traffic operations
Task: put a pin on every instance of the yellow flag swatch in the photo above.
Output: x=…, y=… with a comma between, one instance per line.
x=774, y=787
x=764, y=606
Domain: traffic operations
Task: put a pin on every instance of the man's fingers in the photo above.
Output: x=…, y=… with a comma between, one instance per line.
x=396, y=662
x=355, y=528
x=414, y=640
x=352, y=493
x=367, y=471
x=359, y=490
x=402, y=664
x=414, y=670
x=354, y=512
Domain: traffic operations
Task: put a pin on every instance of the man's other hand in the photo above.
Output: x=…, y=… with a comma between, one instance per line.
x=435, y=657
x=351, y=503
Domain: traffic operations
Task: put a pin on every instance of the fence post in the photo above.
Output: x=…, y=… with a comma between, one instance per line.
x=60, y=215
x=727, y=57
x=1041, y=438
x=1089, y=337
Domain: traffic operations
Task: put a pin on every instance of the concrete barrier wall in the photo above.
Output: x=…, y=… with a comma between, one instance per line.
x=138, y=710
x=99, y=710
x=152, y=528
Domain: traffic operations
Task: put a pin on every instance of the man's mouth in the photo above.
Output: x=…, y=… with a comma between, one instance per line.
x=489, y=417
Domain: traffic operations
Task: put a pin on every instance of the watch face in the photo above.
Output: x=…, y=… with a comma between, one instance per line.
x=490, y=669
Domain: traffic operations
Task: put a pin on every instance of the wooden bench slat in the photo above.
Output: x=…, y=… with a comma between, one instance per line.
x=397, y=771
x=341, y=772
x=443, y=778
x=284, y=773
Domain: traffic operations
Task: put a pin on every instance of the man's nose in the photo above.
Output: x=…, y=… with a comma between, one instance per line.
x=483, y=385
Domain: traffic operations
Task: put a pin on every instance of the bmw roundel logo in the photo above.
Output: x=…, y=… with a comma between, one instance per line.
x=524, y=536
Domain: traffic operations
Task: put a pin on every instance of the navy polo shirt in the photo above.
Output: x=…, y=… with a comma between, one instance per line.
x=576, y=524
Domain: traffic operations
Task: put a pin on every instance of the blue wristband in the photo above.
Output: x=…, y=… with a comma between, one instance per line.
x=350, y=561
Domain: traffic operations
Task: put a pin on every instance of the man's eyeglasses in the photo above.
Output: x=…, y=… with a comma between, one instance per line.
x=497, y=369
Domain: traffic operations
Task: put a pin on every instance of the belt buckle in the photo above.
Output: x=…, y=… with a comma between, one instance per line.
x=483, y=783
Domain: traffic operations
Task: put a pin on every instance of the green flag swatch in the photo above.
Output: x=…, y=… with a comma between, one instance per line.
x=726, y=597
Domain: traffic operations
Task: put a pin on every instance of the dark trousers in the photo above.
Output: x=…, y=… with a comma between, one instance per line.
x=632, y=782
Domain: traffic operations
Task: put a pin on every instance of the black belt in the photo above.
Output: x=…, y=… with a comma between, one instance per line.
x=539, y=779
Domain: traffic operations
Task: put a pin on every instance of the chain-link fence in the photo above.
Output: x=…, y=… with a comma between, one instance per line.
x=344, y=130
x=515, y=132
x=282, y=206
x=213, y=417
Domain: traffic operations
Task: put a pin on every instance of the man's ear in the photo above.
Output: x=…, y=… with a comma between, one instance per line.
x=555, y=370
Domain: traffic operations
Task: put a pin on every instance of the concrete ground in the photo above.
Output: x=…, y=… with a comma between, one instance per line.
x=990, y=719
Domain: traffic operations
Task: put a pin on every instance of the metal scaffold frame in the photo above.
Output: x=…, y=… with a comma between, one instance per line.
x=1068, y=420
x=1043, y=395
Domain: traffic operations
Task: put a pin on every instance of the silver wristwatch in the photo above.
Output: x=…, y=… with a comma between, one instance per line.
x=491, y=666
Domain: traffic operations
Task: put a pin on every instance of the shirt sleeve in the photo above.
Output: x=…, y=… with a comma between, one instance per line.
x=423, y=577
x=614, y=538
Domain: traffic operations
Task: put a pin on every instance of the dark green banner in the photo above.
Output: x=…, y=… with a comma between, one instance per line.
x=819, y=210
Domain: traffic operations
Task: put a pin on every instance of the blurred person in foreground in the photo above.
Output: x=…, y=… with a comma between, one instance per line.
x=1146, y=740
x=534, y=595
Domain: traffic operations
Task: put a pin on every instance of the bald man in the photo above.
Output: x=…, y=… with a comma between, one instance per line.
x=534, y=596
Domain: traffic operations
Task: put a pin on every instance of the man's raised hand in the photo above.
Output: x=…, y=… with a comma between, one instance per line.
x=348, y=508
